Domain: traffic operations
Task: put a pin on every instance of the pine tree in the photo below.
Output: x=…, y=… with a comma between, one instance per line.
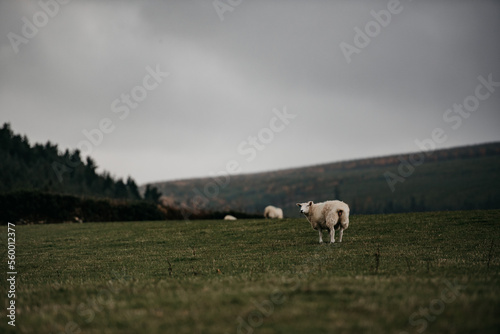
x=133, y=189
x=152, y=194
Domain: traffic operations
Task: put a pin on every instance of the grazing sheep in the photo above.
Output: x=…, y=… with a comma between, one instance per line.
x=273, y=212
x=329, y=215
x=229, y=217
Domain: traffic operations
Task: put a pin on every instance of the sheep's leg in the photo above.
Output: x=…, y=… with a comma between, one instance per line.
x=320, y=236
x=341, y=234
x=332, y=235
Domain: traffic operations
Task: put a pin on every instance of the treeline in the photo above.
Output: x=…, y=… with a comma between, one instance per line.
x=44, y=168
x=40, y=184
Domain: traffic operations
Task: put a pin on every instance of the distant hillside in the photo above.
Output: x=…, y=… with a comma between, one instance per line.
x=449, y=179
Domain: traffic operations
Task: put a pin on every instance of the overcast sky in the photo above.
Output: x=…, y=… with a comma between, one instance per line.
x=182, y=88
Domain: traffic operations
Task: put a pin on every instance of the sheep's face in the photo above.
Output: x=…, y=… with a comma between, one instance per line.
x=304, y=207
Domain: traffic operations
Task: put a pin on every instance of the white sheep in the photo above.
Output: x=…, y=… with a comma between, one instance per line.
x=273, y=212
x=229, y=217
x=329, y=215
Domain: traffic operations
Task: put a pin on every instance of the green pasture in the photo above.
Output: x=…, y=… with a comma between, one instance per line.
x=402, y=273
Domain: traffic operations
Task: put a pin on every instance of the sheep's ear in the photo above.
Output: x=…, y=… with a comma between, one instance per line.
x=299, y=205
x=310, y=203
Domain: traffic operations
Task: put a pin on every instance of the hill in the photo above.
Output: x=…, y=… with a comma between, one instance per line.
x=449, y=179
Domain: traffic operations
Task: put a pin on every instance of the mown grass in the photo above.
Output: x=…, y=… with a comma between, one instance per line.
x=415, y=273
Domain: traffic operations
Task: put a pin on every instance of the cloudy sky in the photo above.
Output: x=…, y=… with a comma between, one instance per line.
x=163, y=90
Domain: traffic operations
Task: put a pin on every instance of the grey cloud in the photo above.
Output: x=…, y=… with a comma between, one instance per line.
x=227, y=76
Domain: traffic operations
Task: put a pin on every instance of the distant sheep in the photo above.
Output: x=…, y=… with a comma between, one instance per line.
x=273, y=212
x=330, y=216
x=229, y=217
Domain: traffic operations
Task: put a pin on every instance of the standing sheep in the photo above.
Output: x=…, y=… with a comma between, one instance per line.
x=273, y=212
x=329, y=215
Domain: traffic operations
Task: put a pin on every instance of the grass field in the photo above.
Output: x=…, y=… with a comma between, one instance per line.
x=414, y=273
